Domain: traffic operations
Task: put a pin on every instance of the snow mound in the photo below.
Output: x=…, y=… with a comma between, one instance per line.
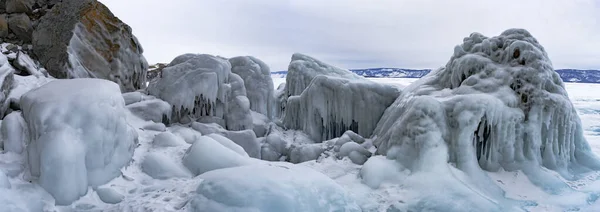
x=258, y=82
x=497, y=104
x=76, y=141
x=206, y=154
x=271, y=187
x=330, y=106
x=199, y=86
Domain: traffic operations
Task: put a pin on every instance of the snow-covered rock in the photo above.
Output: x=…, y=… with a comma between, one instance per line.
x=260, y=124
x=109, y=195
x=258, y=82
x=167, y=139
x=155, y=110
x=6, y=83
x=206, y=154
x=132, y=97
x=188, y=135
x=330, y=106
x=497, y=104
x=14, y=133
x=207, y=128
x=159, y=166
x=25, y=63
x=81, y=39
x=21, y=85
x=76, y=141
x=229, y=144
x=378, y=170
x=199, y=86
x=305, y=152
x=160, y=127
x=247, y=140
x=271, y=187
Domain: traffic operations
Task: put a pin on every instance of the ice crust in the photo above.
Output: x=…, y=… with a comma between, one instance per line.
x=76, y=141
x=497, y=104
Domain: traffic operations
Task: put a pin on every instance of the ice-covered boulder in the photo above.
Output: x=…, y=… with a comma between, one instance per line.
x=229, y=144
x=159, y=166
x=260, y=124
x=76, y=141
x=14, y=133
x=155, y=110
x=330, y=106
x=258, y=82
x=82, y=39
x=200, y=86
x=497, y=104
x=271, y=187
x=167, y=139
x=206, y=154
x=6, y=83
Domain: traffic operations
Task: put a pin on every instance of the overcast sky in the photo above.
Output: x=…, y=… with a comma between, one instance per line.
x=357, y=33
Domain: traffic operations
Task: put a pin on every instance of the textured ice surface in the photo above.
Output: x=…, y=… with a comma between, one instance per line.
x=199, y=86
x=270, y=188
x=76, y=141
x=258, y=82
x=497, y=104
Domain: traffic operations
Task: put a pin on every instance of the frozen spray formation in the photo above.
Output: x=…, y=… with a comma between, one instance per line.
x=496, y=104
x=258, y=82
x=325, y=101
x=200, y=86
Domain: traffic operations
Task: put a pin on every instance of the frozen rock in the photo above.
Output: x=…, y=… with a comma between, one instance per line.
x=26, y=64
x=271, y=187
x=277, y=142
x=229, y=144
x=155, y=110
x=207, y=128
x=206, y=154
x=247, y=140
x=260, y=123
x=188, y=135
x=132, y=97
x=159, y=166
x=349, y=147
x=330, y=106
x=258, y=82
x=200, y=86
x=83, y=39
x=21, y=85
x=160, y=127
x=357, y=157
x=4, y=183
x=167, y=139
x=76, y=141
x=268, y=153
x=305, y=152
x=280, y=100
x=354, y=137
x=15, y=133
x=378, y=170
x=497, y=104
x=109, y=195
x=7, y=79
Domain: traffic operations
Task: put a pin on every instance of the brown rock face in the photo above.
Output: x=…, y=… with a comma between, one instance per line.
x=82, y=38
x=20, y=24
x=3, y=26
x=19, y=6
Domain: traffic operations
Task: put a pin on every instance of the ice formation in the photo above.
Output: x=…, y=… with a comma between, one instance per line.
x=226, y=142
x=202, y=86
x=330, y=106
x=270, y=187
x=14, y=133
x=206, y=154
x=167, y=139
x=159, y=166
x=6, y=82
x=76, y=141
x=258, y=82
x=155, y=110
x=497, y=104
x=109, y=195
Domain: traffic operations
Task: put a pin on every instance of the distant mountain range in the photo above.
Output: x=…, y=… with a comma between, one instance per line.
x=567, y=75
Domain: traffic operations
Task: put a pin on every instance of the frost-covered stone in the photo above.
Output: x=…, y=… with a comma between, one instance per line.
x=83, y=39
x=305, y=152
x=497, y=104
x=330, y=106
x=258, y=82
x=160, y=127
x=25, y=63
x=132, y=97
x=159, y=166
x=206, y=154
x=207, y=128
x=229, y=144
x=7, y=79
x=357, y=158
x=271, y=187
x=260, y=124
x=202, y=86
x=155, y=110
x=188, y=135
x=350, y=147
x=246, y=139
x=15, y=133
x=109, y=195
x=167, y=139
x=76, y=141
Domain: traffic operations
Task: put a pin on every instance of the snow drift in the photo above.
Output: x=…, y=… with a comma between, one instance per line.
x=325, y=101
x=497, y=104
x=203, y=87
x=76, y=141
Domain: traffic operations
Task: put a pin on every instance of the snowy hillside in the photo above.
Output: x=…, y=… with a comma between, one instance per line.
x=567, y=75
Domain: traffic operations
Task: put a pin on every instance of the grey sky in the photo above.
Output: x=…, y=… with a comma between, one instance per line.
x=357, y=33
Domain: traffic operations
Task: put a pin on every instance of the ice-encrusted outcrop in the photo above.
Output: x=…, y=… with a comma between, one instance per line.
x=76, y=141
x=81, y=39
x=200, y=86
x=325, y=101
x=497, y=104
x=258, y=82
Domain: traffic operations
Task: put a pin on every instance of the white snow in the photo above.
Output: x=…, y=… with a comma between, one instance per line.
x=76, y=141
x=206, y=154
x=271, y=187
